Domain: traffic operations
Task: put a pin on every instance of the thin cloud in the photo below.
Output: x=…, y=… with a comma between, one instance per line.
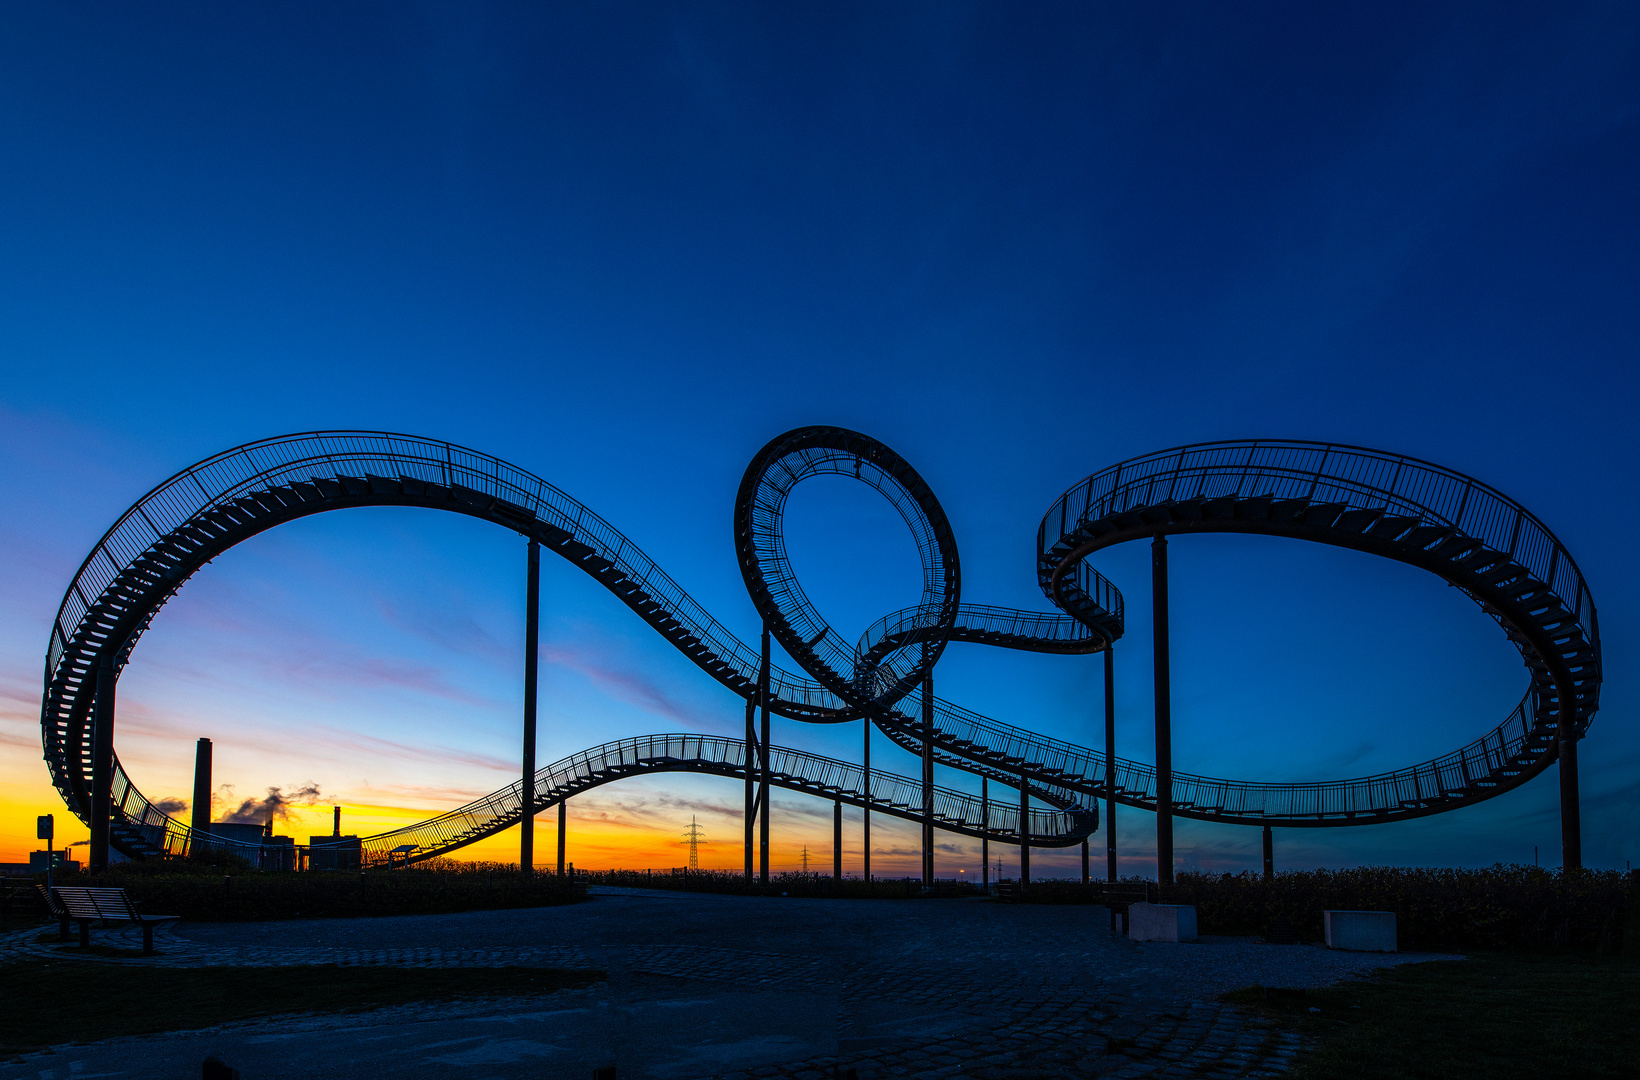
x=631, y=686
x=20, y=693
x=459, y=632
x=356, y=744
x=449, y=629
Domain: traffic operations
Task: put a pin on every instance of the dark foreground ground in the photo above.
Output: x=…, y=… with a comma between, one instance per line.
x=694, y=986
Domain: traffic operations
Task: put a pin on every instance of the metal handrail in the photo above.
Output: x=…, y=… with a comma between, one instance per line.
x=793, y=769
x=1330, y=472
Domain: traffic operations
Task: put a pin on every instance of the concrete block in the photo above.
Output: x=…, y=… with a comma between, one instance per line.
x=1361, y=931
x=1162, y=922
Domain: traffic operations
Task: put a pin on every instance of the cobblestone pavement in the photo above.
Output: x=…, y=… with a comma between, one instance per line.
x=1198, y=1040
x=742, y=988
x=171, y=951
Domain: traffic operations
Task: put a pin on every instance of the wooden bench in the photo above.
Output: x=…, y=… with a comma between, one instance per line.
x=104, y=907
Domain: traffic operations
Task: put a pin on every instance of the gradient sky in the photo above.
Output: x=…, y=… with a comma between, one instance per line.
x=623, y=245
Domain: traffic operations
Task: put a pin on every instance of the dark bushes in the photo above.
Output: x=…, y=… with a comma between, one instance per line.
x=789, y=884
x=213, y=894
x=1500, y=907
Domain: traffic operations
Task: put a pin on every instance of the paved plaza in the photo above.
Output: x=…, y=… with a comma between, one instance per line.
x=741, y=987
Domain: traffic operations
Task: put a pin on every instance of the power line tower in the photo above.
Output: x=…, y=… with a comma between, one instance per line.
x=692, y=837
x=805, y=858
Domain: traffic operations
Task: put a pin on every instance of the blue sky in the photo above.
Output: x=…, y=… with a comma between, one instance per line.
x=623, y=245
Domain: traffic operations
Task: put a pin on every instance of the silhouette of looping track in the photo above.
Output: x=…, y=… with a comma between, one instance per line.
x=1391, y=506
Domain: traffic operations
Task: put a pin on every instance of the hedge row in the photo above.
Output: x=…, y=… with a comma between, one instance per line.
x=210, y=894
x=735, y=883
x=1499, y=907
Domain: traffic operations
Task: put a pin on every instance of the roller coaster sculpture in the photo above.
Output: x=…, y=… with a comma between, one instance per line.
x=1393, y=506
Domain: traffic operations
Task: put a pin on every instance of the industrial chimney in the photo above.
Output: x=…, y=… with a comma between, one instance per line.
x=202, y=786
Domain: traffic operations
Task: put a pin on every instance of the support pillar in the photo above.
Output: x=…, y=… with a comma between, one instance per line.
x=865, y=868
x=563, y=832
x=1024, y=834
x=1110, y=762
x=985, y=833
x=837, y=840
x=750, y=817
x=1571, y=826
x=1084, y=862
x=1269, y=854
x=763, y=784
x=102, y=765
x=532, y=656
x=200, y=823
x=927, y=770
x=1164, y=713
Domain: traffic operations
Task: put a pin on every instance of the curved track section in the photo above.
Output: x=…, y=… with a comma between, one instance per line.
x=1391, y=506
x=795, y=770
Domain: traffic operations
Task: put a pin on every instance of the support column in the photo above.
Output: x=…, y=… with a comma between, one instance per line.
x=927, y=770
x=1024, y=834
x=1164, y=713
x=865, y=868
x=837, y=840
x=532, y=656
x=1571, y=826
x=102, y=765
x=563, y=831
x=1269, y=854
x=1110, y=762
x=985, y=833
x=201, y=819
x=763, y=785
x=1084, y=862
x=750, y=817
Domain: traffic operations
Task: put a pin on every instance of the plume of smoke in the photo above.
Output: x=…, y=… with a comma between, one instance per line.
x=275, y=806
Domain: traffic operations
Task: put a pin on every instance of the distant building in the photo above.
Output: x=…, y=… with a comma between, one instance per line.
x=238, y=832
x=334, y=853
x=256, y=844
x=58, y=860
x=278, y=853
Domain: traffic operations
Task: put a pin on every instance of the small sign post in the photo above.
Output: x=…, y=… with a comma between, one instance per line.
x=45, y=829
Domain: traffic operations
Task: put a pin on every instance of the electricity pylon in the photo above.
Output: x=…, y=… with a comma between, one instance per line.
x=692, y=837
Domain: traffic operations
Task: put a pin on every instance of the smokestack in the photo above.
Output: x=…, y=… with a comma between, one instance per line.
x=202, y=786
x=336, y=829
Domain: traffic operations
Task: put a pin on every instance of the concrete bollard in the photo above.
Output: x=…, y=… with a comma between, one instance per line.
x=1360, y=931
x=1161, y=922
